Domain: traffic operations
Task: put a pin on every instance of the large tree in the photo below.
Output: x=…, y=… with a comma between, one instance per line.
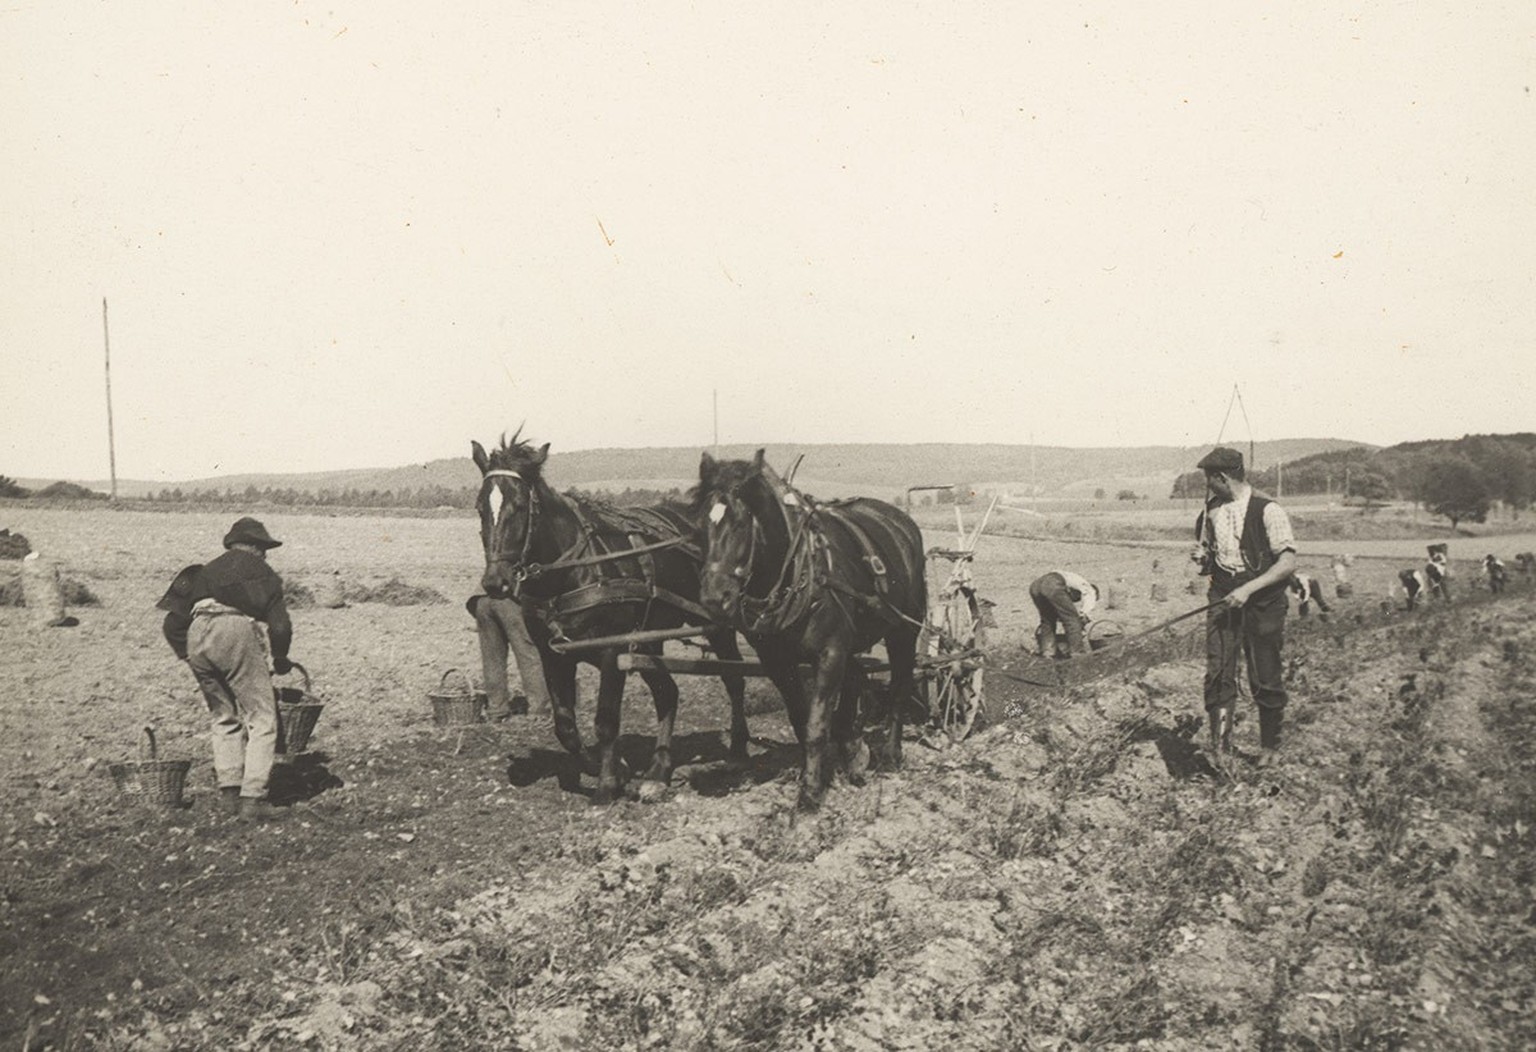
x=1456, y=489
x=1511, y=474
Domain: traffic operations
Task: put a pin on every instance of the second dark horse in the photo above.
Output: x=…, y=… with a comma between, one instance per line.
x=557, y=555
x=819, y=583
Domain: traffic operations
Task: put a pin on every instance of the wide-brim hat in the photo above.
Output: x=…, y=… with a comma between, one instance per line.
x=1222, y=458
x=250, y=531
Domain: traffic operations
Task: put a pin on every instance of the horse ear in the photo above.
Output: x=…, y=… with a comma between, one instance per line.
x=707, y=466
x=543, y=455
x=477, y=451
x=758, y=459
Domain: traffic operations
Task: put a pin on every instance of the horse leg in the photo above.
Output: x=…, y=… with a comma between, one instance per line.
x=829, y=684
x=723, y=643
x=610, y=699
x=901, y=648
x=783, y=668
x=560, y=677
x=664, y=694
x=846, y=738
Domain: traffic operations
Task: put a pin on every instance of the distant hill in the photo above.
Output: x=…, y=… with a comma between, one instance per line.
x=829, y=470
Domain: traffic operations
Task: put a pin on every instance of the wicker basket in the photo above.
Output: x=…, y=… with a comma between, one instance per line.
x=454, y=708
x=150, y=779
x=1106, y=633
x=297, y=712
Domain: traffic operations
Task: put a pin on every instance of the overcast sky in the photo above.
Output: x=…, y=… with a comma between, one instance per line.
x=360, y=234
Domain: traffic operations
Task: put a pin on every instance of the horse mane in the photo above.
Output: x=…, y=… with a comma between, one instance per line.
x=725, y=477
x=519, y=455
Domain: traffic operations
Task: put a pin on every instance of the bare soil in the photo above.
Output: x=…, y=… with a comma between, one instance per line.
x=1079, y=874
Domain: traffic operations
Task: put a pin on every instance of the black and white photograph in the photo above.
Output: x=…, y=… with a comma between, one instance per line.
x=828, y=527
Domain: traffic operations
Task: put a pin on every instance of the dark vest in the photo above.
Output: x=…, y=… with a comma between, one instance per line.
x=1253, y=544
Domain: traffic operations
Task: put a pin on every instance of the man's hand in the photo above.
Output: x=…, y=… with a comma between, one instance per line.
x=1197, y=554
x=282, y=666
x=1238, y=596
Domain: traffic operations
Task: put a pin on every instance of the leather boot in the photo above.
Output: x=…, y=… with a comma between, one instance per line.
x=258, y=809
x=229, y=797
x=1269, y=727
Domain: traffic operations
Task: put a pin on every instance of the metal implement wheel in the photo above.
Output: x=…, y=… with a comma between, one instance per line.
x=950, y=660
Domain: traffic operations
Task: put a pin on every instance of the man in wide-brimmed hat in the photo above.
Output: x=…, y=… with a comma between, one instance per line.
x=213, y=623
x=1246, y=545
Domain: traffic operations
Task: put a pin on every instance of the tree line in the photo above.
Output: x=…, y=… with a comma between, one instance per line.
x=421, y=497
x=1460, y=479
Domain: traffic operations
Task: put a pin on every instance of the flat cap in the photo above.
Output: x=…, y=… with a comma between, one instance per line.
x=250, y=531
x=1222, y=458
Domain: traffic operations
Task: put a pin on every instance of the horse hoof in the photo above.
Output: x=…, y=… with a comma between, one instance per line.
x=647, y=792
x=810, y=800
x=604, y=797
x=657, y=773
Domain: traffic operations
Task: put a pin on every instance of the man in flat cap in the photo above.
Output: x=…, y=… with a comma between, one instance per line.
x=211, y=622
x=1246, y=546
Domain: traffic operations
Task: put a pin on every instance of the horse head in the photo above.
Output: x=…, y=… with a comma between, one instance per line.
x=508, y=503
x=732, y=529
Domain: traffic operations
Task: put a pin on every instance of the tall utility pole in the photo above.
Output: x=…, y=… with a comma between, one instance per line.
x=714, y=395
x=1034, y=497
x=106, y=340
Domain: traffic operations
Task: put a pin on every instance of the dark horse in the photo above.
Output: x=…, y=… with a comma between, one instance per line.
x=817, y=582
x=554, y=554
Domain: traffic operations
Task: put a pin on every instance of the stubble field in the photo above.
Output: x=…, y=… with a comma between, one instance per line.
x=1077, y=875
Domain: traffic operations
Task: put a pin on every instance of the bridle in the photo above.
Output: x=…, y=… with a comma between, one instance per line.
x=787, y=600
x=494, y=553
x=742, y=571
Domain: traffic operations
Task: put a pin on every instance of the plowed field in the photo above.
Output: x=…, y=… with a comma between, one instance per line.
x=1079, y=874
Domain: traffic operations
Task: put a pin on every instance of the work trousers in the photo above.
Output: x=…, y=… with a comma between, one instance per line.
x=1256, y=632
x=1055, y=605
x=229, y=658
x=500, y=626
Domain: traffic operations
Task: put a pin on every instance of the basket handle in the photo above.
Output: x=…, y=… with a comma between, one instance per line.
x=149, y=742
x=303, y=672
x=469, y=685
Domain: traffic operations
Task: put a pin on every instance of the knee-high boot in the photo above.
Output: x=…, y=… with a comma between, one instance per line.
x=1269, y=727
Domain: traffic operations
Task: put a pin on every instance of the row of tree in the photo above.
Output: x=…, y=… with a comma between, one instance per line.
x=423, y=497
x=1460, y=479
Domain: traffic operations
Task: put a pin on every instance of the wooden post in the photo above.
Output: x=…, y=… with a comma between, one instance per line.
x=106, y=340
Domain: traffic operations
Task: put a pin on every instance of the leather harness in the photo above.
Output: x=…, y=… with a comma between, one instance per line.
x=641, y=526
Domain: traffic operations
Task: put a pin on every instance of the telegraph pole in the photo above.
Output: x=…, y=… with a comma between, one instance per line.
x=714, y=395
x=106, y=340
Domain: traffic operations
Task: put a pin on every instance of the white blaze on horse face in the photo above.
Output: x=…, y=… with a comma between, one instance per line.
x=717, y=513
x=494, y=499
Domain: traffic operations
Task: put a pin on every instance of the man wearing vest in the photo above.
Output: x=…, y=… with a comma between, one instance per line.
x=1246, y=546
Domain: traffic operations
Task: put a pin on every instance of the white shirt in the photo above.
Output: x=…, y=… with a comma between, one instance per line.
x=1225, y=522
x=1083, y=587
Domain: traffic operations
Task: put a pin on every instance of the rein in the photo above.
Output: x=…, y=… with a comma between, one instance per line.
x=789, y=598
x=606, y=590
x=527, y=570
